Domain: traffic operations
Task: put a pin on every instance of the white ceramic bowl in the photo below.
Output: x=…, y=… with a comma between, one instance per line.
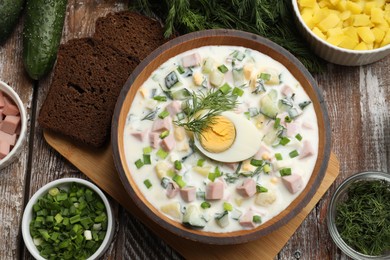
x=23, y=130
x=28, y=214
x=333, y=53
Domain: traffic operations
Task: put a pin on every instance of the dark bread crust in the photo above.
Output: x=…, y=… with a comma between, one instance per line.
x=87, y=80
x=130, y=32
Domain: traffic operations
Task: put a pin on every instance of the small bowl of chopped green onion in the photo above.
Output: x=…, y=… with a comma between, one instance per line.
x=359, y=216
x=69, y=218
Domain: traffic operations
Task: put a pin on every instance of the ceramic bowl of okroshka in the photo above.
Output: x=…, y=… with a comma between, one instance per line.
x=221, y=136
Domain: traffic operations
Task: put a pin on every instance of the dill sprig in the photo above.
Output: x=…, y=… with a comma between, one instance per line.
x=363, y=219
x=202, y=107
x=268, y=18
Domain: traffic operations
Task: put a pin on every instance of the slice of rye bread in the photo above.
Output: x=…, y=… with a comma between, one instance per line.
x=87, y=81
x=130, y=32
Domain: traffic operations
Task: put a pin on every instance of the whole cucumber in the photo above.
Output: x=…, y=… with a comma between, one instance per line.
x=42, y=35
x=9, y=14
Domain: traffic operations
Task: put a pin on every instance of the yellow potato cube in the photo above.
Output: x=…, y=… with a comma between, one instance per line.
x=386, y=39
x=307, y=17
x=361, y=46
x=307, y=3
x=324, y=3
x=345, y=15
x=379, y=34
x=336, y=39
x=318, y=32
x=329, y=22
x=361, y=20
x=320, y=15
x=352, y=33
x=334, y=2
x=341, y=5
x=366, y=34
x=334, y=32
x=368, y=7
x=354, y=7
x=348, y=43
x=377, y=15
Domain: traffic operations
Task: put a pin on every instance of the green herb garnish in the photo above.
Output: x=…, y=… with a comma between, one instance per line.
x=363, y=219
x=212, y=103
x=269, y=18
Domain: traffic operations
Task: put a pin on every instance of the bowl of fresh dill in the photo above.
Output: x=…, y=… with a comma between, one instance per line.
x=359, y=216
x=220, y=136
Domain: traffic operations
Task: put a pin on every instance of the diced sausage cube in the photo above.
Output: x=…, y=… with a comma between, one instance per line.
x=247, y=188
x=10, y=109
x=174, y=107
x=10, y=139
x=172, y=190
x=293, y=182
x=188, y=194
x=214, y=190
x=5, y=148
x=246, y=220
x=191, y=60
x=168, y=143
x=263, y=150
x=307, y=150
x=154, y=139
x=287, y=91
x=162, y=124
x=10, y=124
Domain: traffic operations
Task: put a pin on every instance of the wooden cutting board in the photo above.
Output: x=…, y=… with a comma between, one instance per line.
x=98, y=165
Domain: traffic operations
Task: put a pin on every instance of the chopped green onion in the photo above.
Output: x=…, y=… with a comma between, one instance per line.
x=267, y=168
x=285, y=172
x=256, y=163
x=147, y=159
x=161, y=153
x=278, y=156
x=163, y=114
x=147, y=150
x=180, y=69
x=284, y=141
x=139, y=163
x=256, y=219
x=147, y=183
x=160, y=98
x=205, y=205
x=164, y=134
x=223, y=68
x=265, y=76
x=180, y=116
x=277, y=123
x=225, y=88
x=179, y=180
x=200, y=162
x=293, y=154
x=213, y=175
x=238, y=55
x=288, y=119
x=227, y=206
x=177, y=164
x=298, y=137
x=238, y=91
x=260, y=189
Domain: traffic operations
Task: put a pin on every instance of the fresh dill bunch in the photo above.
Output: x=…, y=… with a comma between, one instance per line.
x=202, y=107
x=268, y=18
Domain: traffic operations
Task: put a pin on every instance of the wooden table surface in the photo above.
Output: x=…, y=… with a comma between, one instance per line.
x=357, y=99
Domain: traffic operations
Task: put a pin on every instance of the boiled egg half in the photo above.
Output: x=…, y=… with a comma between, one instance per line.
x=231, y=138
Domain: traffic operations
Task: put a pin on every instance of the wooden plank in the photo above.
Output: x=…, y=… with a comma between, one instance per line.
x=12, y=178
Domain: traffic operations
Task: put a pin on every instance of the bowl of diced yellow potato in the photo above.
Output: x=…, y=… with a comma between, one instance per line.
x=345, y=32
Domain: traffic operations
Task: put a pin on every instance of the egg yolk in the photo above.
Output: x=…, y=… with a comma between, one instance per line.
x=219, y=136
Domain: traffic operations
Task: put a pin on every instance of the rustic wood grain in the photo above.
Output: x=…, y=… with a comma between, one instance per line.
x=357, y=99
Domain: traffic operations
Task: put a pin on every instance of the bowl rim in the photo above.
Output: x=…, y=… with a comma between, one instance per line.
x=331, y=212
x=182, y=232
x=27, y=215
x=336, y=48
x=4, y=87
